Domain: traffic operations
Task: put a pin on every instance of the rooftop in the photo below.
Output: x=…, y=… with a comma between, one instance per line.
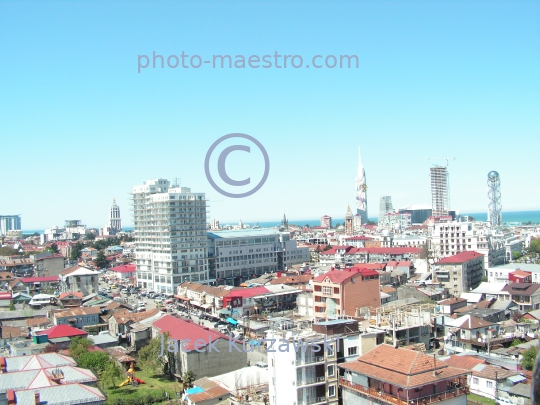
x=243, y=233
x=460, y=258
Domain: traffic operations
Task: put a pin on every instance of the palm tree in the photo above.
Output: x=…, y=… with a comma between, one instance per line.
x=188, y=378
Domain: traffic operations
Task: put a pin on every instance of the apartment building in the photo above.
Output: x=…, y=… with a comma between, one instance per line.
x=237, y=255
x=526, y=295
x=461, y=272
x=79, y=279
x=304, y=367
x=388, y=375
x=170, y=235
x=343, y=292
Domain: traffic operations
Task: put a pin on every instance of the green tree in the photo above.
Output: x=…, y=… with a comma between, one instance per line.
x=95, y=361
x=188, y=378
x=76, y=251
x=89, y=236
x=529, y=358
x=7, y=251
x=337, y=225
x=53, y=248
x=327, y=247
x=111, y=373
x=101, y=261
x=534, y=247
x=517, y=255
x=78, y=346
x=515, y=342
x=11, y=306
x=148, y=357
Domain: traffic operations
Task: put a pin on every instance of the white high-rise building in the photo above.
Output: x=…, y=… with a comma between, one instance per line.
x=361, y=191
x=9, y=223
x=170, y=235
x=115, y=223
x=385, y=207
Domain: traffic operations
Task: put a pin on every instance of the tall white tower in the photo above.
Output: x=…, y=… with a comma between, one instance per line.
x=115, y=223
x=494, y=195
x=361, y=191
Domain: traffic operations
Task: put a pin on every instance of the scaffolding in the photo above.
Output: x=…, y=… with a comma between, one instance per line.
x=439, y=190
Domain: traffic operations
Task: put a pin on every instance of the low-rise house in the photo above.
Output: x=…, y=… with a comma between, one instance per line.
x=47, y=284
x=80, y=279
x=449, y=306
x=204, y=351
x=89, y=252
x=58, y=395
x=62, y=331
x=124, y=271
x=469, y=333
x=13, y=334
x=391, y=375
x=526, y=295
x=35, y=362
x=69, y=299
x=121, y=355
x=206, y=392
x=5, y=298
x=120, y=321
x=78, y=317
x=203, y=296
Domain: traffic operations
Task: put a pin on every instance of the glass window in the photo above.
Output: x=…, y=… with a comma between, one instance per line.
x=332, y=391
x=330, y=370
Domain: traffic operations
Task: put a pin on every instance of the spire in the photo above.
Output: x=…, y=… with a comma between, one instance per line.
x=349, y=212
x=114, y=201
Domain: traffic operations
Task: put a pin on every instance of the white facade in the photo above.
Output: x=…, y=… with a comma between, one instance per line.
x=170, y=235
x=395, y=221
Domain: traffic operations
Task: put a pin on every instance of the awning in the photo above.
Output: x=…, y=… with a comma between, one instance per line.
x=206, y=306
x=224, y=312
x=196, y=303
x=232, y=321
x=180, y=297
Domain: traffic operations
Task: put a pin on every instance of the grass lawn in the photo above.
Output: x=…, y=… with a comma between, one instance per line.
x=153, y=384
x=480, y=399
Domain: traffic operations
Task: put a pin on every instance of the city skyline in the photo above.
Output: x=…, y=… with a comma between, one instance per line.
x=432, y=81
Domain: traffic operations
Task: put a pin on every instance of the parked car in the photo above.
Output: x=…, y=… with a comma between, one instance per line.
x=141, y=309
x=156, y=300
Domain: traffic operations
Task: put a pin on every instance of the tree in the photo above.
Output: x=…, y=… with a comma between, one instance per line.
x=148, y=356
x=51, y=348
x=111, y=373
x=76, y=251
x=337, y=225
x=529, y=358
x=7, y=251
x=53, y=248
x=517, y=316
x=11, y=306
x=517, y=255
x=95, y=361
x=78, y=346
x=515, y=342
x=188, y=378
x=534, y=247
x=89, y=236
x=327, y=247
x=101, y=261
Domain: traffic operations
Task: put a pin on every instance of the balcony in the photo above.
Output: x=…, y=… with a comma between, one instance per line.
x=310, y=360
x=371, y=393
x=310, y=401
x=311, y=381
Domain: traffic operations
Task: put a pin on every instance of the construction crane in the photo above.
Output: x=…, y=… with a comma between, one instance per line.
x=448, y=159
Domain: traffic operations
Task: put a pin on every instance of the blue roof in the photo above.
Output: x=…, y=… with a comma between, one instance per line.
x=241, y=233
x=194, y=390
x=233, y=321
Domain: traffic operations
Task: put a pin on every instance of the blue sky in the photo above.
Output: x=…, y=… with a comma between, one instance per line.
x=79, y=126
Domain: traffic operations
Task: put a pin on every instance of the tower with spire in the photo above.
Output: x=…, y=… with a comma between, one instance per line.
x=349, y=221
x=284, y=223
x=115, y=223
x=361, y=191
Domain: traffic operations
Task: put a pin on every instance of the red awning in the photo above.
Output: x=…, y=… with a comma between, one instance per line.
x=181, y=298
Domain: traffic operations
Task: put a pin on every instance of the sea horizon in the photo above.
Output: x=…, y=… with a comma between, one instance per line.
x=510, y=218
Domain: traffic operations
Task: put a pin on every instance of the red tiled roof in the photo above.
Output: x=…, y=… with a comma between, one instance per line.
x=182, y=330
x=339, y=276
x=45, y=279
x=460, y=258
x=5, y=295
x=466, y=362
x=125, y=268
x=521, y=273
x=67, y=294
x=248, y=292
x=373, y=266
x=62, y=331
x=402, y=367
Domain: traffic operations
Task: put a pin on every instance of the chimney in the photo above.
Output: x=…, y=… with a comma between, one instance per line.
x=36, y=398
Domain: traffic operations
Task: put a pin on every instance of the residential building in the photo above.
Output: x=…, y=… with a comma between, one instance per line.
x=237, y=255
x=526, y=295
x=461, y=272
x=385, y=207
x=305, y=368
x=121, y=320
x=388, y=375
x=439, y=190
x=79, y=279
x=72, y=230
x=124, y=270
x=326, y=222
x=343, y=292
x=395, y=222
x=203, y=296
x=170, y=235
x=500, y=274
x=419, y=213
x=255, y=300
x=48, y=264
x=448, y=306
x=468, y=333
x=9, y=223
x=78, y=317
x=203, y=350
x=69, y=299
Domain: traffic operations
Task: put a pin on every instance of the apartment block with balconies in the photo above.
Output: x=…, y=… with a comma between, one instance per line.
x=460, y=273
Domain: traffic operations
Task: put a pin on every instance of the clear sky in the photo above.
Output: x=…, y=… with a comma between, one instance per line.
x=79, y=125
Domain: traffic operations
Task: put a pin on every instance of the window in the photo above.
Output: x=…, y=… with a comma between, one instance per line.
x=475, y=381
x=330, y=370
x=332, y=391
x=327, y=290
x=351, y=351
x=489, y=384
x=331, y=352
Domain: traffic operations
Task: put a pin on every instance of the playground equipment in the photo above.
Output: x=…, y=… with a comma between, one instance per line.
x=131, y=377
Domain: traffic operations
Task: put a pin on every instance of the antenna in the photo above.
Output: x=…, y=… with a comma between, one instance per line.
x=176, y=182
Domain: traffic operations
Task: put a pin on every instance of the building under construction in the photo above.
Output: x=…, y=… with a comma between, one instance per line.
x=439, y=190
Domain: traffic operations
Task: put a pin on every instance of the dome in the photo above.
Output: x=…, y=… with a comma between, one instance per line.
x=493, y=175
